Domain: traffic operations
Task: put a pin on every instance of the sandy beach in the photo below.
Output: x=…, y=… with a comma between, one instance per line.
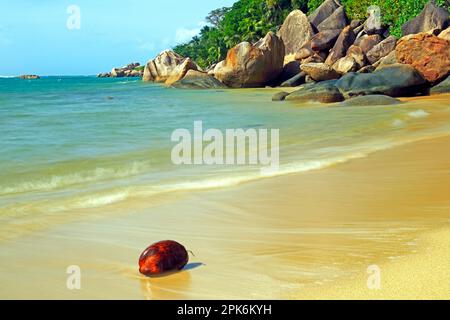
x=247, y=150
x=303, y=236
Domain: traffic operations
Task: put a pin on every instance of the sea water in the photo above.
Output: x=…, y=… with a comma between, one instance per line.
x=74, y=143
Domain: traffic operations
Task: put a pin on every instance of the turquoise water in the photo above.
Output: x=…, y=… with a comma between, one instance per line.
x=80, y=142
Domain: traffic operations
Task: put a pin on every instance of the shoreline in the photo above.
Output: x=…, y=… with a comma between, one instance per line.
x=424, y=119
x=309, y=242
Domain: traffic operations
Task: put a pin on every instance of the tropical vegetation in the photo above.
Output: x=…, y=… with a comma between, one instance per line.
x=249, y=20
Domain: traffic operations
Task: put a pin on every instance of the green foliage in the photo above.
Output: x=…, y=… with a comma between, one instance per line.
x=314, y=4
x=216, y=16
x=140, y=68
x=249, y=20
x=246, y=20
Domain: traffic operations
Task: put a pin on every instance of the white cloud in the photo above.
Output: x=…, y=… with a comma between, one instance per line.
x=186, y=34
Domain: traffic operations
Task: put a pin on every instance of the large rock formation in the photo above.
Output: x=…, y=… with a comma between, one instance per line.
x=324, y=40
x=358, y=56
x=304, y=52
x=343, y=42
x=431, y=17
x=160, y=68
x=295, y=32
x=198, y=80
x=367, y=42
x=382, y=49
x=338, y=20
x=390, y=59
x=445, y=34
x=180, y=71
x=345, y=65
x=395, y=81
x=320, y=71
x=316, y=57
x=428, y=54
x=250, y=65
x=325, y=92
x=324, y=11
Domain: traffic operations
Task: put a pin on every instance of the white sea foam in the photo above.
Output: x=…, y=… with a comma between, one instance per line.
x=54, y=182
x=418, y=114
x=101, y=200
x=398, y=123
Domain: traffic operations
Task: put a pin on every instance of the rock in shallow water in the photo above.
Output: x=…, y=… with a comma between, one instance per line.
x=395, y=80
x=370, y=100
x=325, y=92
x=280, y=96
x=443, y=87
x=161, y=68
x=198, y=80
x=180, y=71
x=29, y=76
x=163, y=257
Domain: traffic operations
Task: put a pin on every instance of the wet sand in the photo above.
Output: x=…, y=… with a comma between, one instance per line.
x=302, y=236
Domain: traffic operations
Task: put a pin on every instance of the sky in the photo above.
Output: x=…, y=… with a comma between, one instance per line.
x=86, y=37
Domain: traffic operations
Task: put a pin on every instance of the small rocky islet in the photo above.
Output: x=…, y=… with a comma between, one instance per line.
x=131, y=70
x=29, y=77
x=326, y=57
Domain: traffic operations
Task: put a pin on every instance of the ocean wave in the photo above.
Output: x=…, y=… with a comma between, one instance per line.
x=356, y=152
x=101, y=200
x=60, y=181
x=119, y=194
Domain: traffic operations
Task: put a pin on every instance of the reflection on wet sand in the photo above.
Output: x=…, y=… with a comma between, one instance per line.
x=174, y=286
